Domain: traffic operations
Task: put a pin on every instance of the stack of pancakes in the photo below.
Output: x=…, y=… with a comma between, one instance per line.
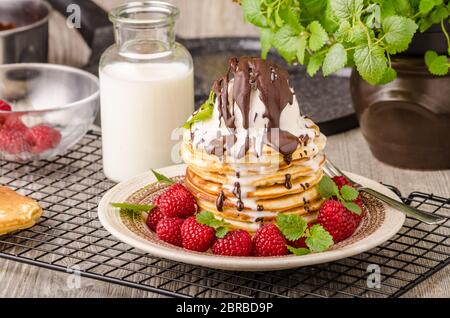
x=253, y=188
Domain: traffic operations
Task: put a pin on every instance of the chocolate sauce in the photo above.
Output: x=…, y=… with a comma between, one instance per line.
x=219, y=201
x=287, y=181
x=237, y=193
x=250, y=73
x=259, y=207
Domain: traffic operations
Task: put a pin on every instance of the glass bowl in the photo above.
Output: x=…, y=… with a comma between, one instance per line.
x=53, y=107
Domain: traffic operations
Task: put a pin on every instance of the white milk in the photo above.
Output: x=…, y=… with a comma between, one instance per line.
x=141, y=104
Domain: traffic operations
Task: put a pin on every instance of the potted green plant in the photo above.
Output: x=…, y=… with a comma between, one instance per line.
x=399, y=51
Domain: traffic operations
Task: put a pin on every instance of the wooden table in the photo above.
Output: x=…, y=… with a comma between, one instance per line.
x=349, y=151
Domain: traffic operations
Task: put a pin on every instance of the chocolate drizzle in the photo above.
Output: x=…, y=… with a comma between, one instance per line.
x=259, y=207
x=287, y=181
x=219, y=201
x=251, y=73
x=238, y=194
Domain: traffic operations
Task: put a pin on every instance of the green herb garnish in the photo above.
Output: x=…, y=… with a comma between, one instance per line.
x=347, y=194
x=208, y=218
x=162, y=178
x=133, y=210
x=203, y=113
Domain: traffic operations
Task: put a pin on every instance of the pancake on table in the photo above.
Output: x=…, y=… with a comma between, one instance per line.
x=256, y=156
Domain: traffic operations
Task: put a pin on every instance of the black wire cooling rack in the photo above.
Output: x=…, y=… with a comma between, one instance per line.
x=69, y=236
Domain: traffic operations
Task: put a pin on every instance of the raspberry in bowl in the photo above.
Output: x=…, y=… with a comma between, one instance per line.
x=44, y=109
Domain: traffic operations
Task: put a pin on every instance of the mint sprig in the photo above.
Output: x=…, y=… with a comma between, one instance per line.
x=294, y=227
x=337, y=33
x=133, y=210
x=203, y=113
x=162, y=178
x=346, y=195
x=208, y=218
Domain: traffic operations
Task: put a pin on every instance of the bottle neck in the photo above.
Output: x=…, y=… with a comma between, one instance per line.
x=138, y=42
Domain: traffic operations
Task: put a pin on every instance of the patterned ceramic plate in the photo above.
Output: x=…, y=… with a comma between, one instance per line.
x=380, y=224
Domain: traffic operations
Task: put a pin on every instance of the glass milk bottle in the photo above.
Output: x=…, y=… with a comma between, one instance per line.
x=147, y=89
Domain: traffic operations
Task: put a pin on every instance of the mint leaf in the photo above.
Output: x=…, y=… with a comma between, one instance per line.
x=373, y=20
x=318, y=37
x=389, y=75
x=398, y=33
x=335, y=59
x=327, y=188
x=265, y=37
x=319, y=240
x=437, y=64
x=314, y=64
x=301, y=48
x=162, y=178
x=347, y=9
x=208, y=218
x=371, y=63
x=221, y=231
x=426, y=6
x=290, y=17
x=353, y=207
x=133, y=207
x=298, y=251
x=286, y=42
x=203, y=113
x=349, y=193
x=292, y=226
x=343, y=33
x=253, y=13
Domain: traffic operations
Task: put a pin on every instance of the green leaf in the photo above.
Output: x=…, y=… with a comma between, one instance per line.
x=314, y=64
x=134, y=207
x=347, y=9
x=286, y=42
x=327, y=188
x=439, y=14
x=265, y=36
x=343, y=32
x=291, y=17
x=398, y=33
x=373, y=20
x=371, y=63
x=298, y=251
x=437, y=64
x=221, y=231
x=292, y=226
x=430, y=56
x=349, y=193
x=203, y=113
x=318, y=37
x=319, y=239
x=426, y=6
x=162, y=178
x=389, y=75
x=353, y=207
x=335, y=59
x=301, y=48
x=253, y=13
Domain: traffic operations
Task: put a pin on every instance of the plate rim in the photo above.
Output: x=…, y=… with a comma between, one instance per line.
x=123, y=234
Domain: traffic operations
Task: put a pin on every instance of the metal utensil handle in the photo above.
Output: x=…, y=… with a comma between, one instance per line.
x=423, y=216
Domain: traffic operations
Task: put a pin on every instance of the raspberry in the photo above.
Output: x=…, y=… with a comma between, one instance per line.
x=196, y=237
x=235, y=243
x=13, y=122
x=169, y=230
x=177, y=201
x=42, y=138
x=13, y=142
x=341, y=181
x=337, y=220
x=269, y=241
x=4, y=106
x=153, y=218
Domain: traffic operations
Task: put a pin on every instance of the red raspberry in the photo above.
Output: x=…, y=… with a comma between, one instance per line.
x=269, y=241
x=196, y=236
x=153, y=218
x=337, y=220
x=235, y=243
x=177, y=201
x=42, y=138
x=13, y=142
x=4, y=106
x=13, y=122
x=169, y=230
x=341, y=181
